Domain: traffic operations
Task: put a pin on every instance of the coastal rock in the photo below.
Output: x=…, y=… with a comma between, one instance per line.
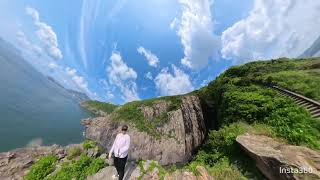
x=183, y=133
x=276, y=159
x=104, y=174
x=15, y=164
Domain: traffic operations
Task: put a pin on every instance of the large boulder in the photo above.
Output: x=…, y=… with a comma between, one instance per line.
x=15, y=164
x=182, y=134
x=280, y=161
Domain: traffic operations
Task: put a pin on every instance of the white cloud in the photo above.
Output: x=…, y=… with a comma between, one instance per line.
x=274, y=28
x=196, y=33
x=53, y=66
x=173, y=84
x=79, y=81
x=108, y=89
x=123, y=77
x=152, y=59
x=174, y=23
x=148, y=75
x=46, y=35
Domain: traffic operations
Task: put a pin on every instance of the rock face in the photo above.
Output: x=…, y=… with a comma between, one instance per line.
x=183, y=133
x=15, y=164
x=276, y=159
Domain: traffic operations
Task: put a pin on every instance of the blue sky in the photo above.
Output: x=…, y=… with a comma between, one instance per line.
x=121, y=50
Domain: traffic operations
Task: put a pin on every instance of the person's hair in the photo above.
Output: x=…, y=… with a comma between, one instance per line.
x=124, y=128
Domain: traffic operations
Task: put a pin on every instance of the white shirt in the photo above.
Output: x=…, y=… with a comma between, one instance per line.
x=121, y=145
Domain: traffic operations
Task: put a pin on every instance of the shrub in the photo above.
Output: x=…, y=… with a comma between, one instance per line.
x=44, y=166
x=88, y=144
x=73, y=152
x=295, y=125
x=79, y=169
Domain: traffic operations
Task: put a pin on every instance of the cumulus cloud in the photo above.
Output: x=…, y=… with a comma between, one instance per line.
x=196, y=33
x=173, y=84
x=152, y=59
x=123, y=76
x=274, y=28
x=79, y=81
x=45, y=34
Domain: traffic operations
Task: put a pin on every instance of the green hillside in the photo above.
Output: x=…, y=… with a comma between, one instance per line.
x=245, y=103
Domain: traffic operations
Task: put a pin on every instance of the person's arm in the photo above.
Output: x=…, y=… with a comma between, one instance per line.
x=112, y=148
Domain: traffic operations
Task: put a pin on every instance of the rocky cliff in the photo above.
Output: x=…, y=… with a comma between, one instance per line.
x=182, y=133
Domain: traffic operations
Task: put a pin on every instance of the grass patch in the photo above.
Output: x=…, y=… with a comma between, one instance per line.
x=44, y=166
x=100, y=106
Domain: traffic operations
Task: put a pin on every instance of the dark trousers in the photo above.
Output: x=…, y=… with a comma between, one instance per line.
x=120, y=164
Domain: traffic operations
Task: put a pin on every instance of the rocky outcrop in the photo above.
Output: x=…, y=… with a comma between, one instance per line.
x=15, y=164
x=181, y=135
x=279, y=161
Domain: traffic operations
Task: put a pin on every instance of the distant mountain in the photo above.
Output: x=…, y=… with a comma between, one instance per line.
x=313, y=50
x=79, y=95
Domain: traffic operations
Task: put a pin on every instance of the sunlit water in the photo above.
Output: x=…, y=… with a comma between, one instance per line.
x=32, y=107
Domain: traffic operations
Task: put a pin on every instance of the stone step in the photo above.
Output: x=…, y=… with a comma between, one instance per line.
x=312, y=108
x=316, y=115
x=316, y=111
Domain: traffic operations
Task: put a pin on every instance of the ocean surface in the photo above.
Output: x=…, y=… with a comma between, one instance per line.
x=32, y=108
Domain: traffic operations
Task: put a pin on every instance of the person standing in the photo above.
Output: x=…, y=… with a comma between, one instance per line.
x=120, y=150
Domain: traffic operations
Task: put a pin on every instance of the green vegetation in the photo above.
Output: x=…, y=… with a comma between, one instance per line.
x=245, y=104
x=44, y=166
x=305, y=82
x=89, y=144
x=100, y=106
x=79, y=169
x=223, y=158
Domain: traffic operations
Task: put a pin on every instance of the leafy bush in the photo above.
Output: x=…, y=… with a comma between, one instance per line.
x=89, y=144
x=79, y=169
x=44, y=166
x=295, y=124
x=73, y=152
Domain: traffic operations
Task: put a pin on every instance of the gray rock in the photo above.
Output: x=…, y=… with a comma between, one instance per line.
x=15, y=164
x=104, y=174
x=184, y=132
x=275, y=159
